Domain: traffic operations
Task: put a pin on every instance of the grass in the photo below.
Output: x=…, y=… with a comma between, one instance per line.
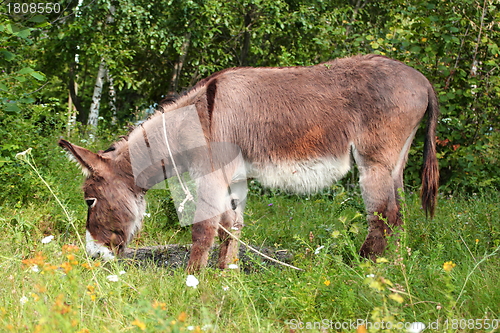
x=54, y=287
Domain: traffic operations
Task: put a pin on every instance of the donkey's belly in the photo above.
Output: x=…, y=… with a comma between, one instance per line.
x=304, y=176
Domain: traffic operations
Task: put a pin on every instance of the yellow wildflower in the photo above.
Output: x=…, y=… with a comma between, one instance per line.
x=40, y=289
x=396, y=297
x=61, y=306
x=69, y=248
x=86, y=265
x=361, y=329
x=182, y=317
x=160, y=305
x=39, y=260
x=139, y=324
x=381, y=260
x=448, y=266
x=50, y=267
x=67, y=267
x=91, y=292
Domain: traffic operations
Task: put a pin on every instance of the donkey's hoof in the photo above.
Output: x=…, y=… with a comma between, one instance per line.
x=373, y=247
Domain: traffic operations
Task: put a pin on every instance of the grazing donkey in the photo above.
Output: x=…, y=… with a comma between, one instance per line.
x=297, y=128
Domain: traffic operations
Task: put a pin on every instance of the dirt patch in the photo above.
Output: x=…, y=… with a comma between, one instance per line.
x=176, y=256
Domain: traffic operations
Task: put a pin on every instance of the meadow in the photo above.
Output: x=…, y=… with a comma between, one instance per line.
x=443, y=272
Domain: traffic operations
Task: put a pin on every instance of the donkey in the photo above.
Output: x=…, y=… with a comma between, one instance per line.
x=297, y=128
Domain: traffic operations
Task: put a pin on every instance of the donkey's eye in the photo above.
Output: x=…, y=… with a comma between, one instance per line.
x=91, y=202
x=234, y=204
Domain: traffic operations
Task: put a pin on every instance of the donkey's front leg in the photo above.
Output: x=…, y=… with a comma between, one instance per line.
x=203, y=234
x=210, y=206
x=232, y=220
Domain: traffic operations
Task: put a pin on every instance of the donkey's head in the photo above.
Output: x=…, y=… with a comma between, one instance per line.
x=115, y=204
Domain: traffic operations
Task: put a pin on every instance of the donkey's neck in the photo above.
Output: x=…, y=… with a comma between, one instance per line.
x=166, y=144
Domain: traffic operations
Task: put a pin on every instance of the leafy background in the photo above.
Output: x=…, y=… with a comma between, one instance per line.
x=153, y=50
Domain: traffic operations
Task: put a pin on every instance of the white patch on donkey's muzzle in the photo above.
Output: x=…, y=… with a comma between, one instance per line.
x=97, y=250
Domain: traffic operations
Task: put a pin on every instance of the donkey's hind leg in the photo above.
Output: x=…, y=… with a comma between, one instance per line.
x=380, y=197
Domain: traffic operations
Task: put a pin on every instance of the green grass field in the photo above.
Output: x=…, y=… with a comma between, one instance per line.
x=444, y=273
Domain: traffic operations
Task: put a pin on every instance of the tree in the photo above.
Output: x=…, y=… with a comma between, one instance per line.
x=96, y=96
x=157, y=49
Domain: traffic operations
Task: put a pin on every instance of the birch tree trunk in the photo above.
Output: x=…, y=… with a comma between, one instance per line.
x=96, y=96
x=174, y=83
x=246, y=36
x=71, y=112
x=112, y=98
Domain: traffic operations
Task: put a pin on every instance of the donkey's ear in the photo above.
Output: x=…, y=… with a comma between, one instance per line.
x=87, y=160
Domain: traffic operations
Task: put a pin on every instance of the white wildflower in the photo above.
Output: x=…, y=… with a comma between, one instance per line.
x=319, y=249
x=23, y=300
x=232, y=266
x=122, y=272
x=225, y=288
x=22, y=154
x=47, y=239
x=416, y=327
x=35, y=268
x=192, y=281
x=370, y=276
x=112, y=278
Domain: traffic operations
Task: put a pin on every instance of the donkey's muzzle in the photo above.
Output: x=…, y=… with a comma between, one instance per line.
x=96, y=249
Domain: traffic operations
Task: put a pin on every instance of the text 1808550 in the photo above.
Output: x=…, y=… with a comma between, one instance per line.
x=33, y=8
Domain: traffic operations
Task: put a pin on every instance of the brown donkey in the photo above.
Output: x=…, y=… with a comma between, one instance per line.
x=295, y=128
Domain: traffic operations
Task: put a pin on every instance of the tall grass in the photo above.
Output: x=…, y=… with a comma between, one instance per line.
x=442, y=272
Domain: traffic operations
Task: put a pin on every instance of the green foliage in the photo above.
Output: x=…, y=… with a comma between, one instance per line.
x=34, y=126
x=454, y=45
x=18, y=79
x=160, y=48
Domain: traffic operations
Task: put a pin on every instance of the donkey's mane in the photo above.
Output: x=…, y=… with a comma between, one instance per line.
x=162, y=107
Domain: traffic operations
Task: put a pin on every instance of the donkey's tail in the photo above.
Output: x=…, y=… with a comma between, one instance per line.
x=430, y=171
